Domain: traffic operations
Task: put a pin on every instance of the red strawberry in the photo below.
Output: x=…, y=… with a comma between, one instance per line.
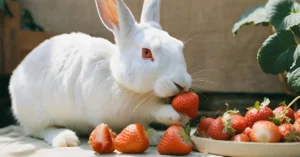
x=187, y=103
x=247, y=131
x=241, y=138
x=297, y=114
x=258, y=112
x=175, y=141
x=203, y=126
x=239, y=123
x=100, y=140
x=264, y=131
x=297, y=124
x=132, y=139
x=289, y=133
x=218, y=131
x=281, y=114
x=113, y=136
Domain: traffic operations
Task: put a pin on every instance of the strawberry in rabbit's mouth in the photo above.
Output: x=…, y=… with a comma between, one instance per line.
x=185, y=102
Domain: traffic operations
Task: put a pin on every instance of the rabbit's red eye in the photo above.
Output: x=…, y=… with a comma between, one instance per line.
x=147, y=53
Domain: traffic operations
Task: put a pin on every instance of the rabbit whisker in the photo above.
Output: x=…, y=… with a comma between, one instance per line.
x=188, y=34
x=190, y=39
x=141, y=102
x=140, y=96
x=209, y=61
x=203, y=71
x=202, y=78
x=198, y=88
x=198, y=80
x=201, y=88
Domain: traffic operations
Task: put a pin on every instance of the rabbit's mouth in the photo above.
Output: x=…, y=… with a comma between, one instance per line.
x=168, y=100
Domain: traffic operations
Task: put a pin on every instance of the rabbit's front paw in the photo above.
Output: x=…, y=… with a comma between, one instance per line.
x=153, y=136
x=168, y=116
x=67, y=138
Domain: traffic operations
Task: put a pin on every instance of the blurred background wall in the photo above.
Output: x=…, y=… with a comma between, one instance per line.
x=214, y=55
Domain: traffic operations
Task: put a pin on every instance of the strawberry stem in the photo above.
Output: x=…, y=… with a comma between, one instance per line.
x=291, y=103
x=186, y=134
x=201, y=118
x=149, y=132
x=215, y=116
x=187, y=128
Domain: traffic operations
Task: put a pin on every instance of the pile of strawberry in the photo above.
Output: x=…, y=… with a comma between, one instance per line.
x=260, y=124
x=134, y=138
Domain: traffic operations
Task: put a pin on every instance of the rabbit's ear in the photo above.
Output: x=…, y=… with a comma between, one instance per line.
x=151, y=11
x=114, y=14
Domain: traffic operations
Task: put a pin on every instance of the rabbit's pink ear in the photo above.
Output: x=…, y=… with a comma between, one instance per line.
x=107, y=10
x=114, y=14
x=151, y=11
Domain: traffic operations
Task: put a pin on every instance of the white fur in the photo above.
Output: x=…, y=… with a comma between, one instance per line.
x=73, y=82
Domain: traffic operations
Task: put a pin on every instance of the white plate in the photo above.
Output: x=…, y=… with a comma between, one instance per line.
x=246, y=149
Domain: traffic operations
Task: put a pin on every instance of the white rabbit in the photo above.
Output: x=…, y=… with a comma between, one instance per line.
x=71, y=83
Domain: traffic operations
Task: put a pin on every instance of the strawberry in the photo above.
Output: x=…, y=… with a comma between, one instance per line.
x=264, y=131
x=203, y=126
x=100, y=140
x=289, y=133
x=247, y=131
x=297, y=124
x=187, y=103
x=239, y=123
x=297, y=114
x=175, y=141
x=258, y=112
x=113, y=135
x=283, y=114
x=241, y=138
x=132, y=139
x=217, y=129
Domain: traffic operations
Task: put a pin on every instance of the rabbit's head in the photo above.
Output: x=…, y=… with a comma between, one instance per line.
x=148, y=58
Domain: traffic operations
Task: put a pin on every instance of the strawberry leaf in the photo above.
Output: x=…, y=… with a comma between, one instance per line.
x=234, y=111
x=185, y=135
x=150, y=131
x=283, y=14
x=192, y=90
x=293, y=136
x=293, y=76
x=226, y=120
x=201, y=118
x=187, y=128
x=282, y=103
x=275, y=120
x=255, y=106
x=254, y=16
x=265, y=103
x=277, y=52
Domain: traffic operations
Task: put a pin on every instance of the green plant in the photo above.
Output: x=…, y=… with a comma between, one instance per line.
x=4, y=7
x=27, y=21
x=280, y=52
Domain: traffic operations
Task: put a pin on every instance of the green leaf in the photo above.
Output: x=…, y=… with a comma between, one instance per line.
x=253, y=16
x=293, y=76
x=283, y=14
x=26, y=16
x=296, y=30
x=4, y=7
x=28, y=22
x=2, y=4
x=276, y=54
